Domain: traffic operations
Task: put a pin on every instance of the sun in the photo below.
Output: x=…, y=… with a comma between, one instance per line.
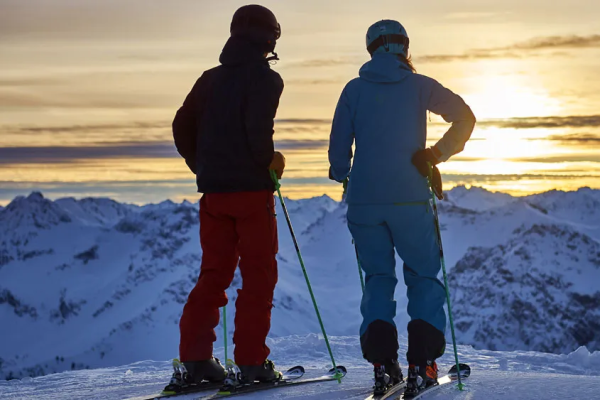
x=499, y=95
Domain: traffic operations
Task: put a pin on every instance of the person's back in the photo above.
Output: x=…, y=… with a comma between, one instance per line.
x=384, y=112
x=388, y=106
x=237, y=102
x=224, y=131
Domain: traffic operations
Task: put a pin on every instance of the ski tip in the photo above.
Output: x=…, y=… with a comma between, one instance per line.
x=296, y=369
x=339, y=371
x=465, y=370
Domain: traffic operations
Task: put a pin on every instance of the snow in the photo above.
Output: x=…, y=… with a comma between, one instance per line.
x=496, y=375
x=94, y=283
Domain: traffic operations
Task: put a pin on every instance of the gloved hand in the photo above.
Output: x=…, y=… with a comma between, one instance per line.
x=422, y=157
x=278, y=164
x=331, y=175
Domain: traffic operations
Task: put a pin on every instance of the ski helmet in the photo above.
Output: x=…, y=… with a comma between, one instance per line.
x=387, y=36
x=258, y=24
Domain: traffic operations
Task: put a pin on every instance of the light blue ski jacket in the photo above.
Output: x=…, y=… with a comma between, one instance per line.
x=385, y=111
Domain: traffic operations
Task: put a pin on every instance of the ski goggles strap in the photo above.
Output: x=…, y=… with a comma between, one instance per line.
x=386, y=40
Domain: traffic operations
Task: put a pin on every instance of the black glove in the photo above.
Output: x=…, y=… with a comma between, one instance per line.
x=421, y=158
x=331, y=175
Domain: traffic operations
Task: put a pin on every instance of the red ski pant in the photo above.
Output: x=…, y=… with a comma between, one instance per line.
x=234, y=228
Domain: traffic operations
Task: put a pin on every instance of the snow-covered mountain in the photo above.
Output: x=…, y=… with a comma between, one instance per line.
x=537, y=291
x=94, y=283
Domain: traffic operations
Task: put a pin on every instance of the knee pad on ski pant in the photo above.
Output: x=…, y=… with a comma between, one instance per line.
x=425, y=342
x=379, y=343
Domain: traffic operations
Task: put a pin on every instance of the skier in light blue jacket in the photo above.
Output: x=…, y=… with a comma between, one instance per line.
x=384, y=113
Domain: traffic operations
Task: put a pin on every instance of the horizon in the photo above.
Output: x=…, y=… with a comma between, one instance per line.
x=88, y=90
x=195, y=201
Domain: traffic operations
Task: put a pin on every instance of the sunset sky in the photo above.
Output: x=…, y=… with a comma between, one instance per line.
x=88, y=89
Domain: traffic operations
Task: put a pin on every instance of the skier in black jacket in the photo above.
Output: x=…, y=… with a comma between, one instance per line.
x=224, y=131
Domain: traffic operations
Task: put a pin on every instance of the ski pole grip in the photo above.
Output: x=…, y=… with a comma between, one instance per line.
x=430, y=176
x=275, y=179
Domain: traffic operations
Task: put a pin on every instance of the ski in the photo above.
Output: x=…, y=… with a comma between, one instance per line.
x=465, y=372
x=390, y=392
x=178, y=385
x=188, y=389
x=286, y=381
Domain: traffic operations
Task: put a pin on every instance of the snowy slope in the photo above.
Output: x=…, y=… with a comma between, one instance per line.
x=94, y=283
x=540, y=292
x=496, y=375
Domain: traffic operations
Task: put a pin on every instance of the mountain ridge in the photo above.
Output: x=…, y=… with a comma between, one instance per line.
x=106, y=282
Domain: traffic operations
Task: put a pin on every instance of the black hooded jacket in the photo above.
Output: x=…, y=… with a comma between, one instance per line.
x=224, y=130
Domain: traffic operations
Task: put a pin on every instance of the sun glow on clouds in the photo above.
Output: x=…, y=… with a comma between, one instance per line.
x=509, y=95
x=102, y=99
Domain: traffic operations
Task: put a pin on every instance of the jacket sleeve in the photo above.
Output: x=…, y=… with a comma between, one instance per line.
x=185, y=127
x=453, y=109
x=341, y=139
x=261, y=107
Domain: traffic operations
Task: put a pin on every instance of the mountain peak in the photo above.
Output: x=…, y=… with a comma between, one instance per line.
x=33, y=211
x=35, y=196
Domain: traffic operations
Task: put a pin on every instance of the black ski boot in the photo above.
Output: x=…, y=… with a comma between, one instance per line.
x=420, y=378
x=392, y=368
x=265, y=372
x=431, y=374
x=414, y=382
x=386, y=376
x=179, y=379
x=206, y=370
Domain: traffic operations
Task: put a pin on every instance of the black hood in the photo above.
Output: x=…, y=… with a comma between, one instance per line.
x=239, y=50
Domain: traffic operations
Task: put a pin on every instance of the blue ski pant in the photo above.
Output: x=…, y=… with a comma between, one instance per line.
x=378, y=230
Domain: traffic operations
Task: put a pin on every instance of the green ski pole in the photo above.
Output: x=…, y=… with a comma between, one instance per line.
x=360, y=272
x=312, y=295
x=443, y=262
x=225, y=332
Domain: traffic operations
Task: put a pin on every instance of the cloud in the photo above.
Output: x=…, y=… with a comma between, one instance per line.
x=473, y=55
x=570, y=158
x=518, y=50
x=303, y=121
x=122, y=150
x=140, y=192
x=464, y=16
x=314, y=81
x=458, y=178
x=324, y=62
x=576, y=139
x=67, y=154
x=301, y=144
x=83, y=19
x=574, y=121
x=562, y=42
x=85, y=128
x=21, y=82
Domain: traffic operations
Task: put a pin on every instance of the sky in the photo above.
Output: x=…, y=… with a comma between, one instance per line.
x=88, y=89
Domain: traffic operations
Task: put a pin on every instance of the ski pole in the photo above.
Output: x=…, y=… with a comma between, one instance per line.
x=225, y=332
x=443, y=262
x=312, y=295
x=360, y=272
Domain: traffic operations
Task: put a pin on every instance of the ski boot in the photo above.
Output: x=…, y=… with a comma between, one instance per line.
x=205, y=370
x=179, y=380
x=431, y=374
x=265, y=372
x=386, y=376
x=420, y=378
